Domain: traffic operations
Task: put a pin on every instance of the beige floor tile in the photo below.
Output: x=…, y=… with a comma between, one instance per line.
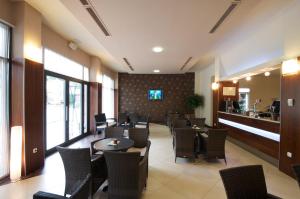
x=184, y=180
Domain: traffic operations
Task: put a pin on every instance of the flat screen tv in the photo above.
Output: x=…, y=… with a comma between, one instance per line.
x=155, y=95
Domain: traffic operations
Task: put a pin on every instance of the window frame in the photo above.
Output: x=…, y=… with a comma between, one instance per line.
x=9, y=90
x=83, y=134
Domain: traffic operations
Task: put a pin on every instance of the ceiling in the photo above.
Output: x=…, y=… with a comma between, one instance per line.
x=181, y=28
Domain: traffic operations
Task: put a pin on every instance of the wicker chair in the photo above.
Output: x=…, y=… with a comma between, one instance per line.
x=140, y=137
x=77, y=164
x=143, y=122
x=114, y=132
x=133, y=118
x=199, y=122
x=102, y=123
x=171, y=118
x=179, y=123
x=184, y=142
x=82, y=191
x=214, y=144
x=296, y=169
x=247, y=182
x=127, y=175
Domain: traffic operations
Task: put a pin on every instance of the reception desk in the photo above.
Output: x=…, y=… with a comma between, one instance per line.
x=258, y=133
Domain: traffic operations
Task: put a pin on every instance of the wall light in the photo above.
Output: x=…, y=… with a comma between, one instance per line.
x=215, y=86
x=235, y=81
x=156, y=70
x=290, y=67
x=16, y=153
x=99, y=78
x=248, y=78
x=267, y=74
x=33, y=52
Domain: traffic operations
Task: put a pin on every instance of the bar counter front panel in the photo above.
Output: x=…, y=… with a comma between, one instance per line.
x=261, y=134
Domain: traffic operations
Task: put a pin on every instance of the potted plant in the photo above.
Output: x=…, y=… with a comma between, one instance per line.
x=195, y=101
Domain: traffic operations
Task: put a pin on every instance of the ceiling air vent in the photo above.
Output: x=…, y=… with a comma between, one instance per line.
x=84, y=2
x=232, y=6
x=186, y=63
x=128, y=64
x=92, y=11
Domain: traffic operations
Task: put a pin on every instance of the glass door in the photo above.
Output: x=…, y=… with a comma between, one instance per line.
x=75, y=109
x=55, y=111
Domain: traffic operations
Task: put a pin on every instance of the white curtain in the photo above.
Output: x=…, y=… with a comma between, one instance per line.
x=108, y=96
x=4, y=107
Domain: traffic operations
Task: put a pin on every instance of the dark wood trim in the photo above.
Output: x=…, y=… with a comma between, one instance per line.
x=34, y=115
x=116, y=103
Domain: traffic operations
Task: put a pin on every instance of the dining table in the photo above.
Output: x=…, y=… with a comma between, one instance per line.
x=107, y=144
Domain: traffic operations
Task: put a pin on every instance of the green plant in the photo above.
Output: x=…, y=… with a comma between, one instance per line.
x=195, y=101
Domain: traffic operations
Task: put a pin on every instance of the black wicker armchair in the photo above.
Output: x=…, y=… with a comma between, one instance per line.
x=184, y=143
x=140, y=137
x=127, y=175
x=114, y=132
x=81, y=191
x=179, y=123
x=199, y=122
x=214, y=144
x=78, y=163
x=247, y=182
x=296, y=169
x=102, y=122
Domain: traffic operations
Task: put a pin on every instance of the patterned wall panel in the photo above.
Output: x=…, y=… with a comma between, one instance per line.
x=133, y=93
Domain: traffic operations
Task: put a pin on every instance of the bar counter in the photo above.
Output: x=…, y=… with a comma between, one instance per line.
x=260, y=133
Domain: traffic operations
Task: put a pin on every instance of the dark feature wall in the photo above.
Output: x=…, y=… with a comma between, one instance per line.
x=133, y=93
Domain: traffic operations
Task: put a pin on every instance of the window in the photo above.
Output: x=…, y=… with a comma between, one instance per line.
x=67, y=99
x=59, y=64
x=244, y=98
x=108, y=96
x=5, y=33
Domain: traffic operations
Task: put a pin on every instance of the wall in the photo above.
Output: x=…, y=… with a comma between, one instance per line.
x=264, y=88
x=203, y=79
x=133, y=93
x=57, y=43
x=6, y=11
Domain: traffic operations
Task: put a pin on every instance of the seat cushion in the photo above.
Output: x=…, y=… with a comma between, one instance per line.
x=140, y=126
x=113, y=123
x=141, y=150
x=100, y=127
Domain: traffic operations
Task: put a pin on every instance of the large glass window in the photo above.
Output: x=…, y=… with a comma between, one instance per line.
x=67, y=99
x=4, y=99
x=75, y=109
x=59, y=64
x=108, y=96
x=55, y=110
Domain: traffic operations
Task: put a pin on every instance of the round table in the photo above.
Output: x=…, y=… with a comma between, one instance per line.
x=123, y=145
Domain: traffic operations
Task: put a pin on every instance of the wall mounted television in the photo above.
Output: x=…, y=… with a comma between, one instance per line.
x=155, y=94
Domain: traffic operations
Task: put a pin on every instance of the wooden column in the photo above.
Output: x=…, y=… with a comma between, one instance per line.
x=290, y=128
x=95, y=102
x=27, y=105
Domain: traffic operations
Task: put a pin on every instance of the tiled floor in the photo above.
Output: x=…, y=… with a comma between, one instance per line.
x=183, y=180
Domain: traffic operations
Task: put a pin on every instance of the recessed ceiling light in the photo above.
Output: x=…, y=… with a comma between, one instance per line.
x=267, y=74
x=248, y=78
x=157, y=49
x=156, y=70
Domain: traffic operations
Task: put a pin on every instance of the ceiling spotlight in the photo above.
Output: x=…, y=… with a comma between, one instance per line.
x=267, y=74
x=235, y=81
x=156, y=70
x=157, y=49
x=248, y=78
